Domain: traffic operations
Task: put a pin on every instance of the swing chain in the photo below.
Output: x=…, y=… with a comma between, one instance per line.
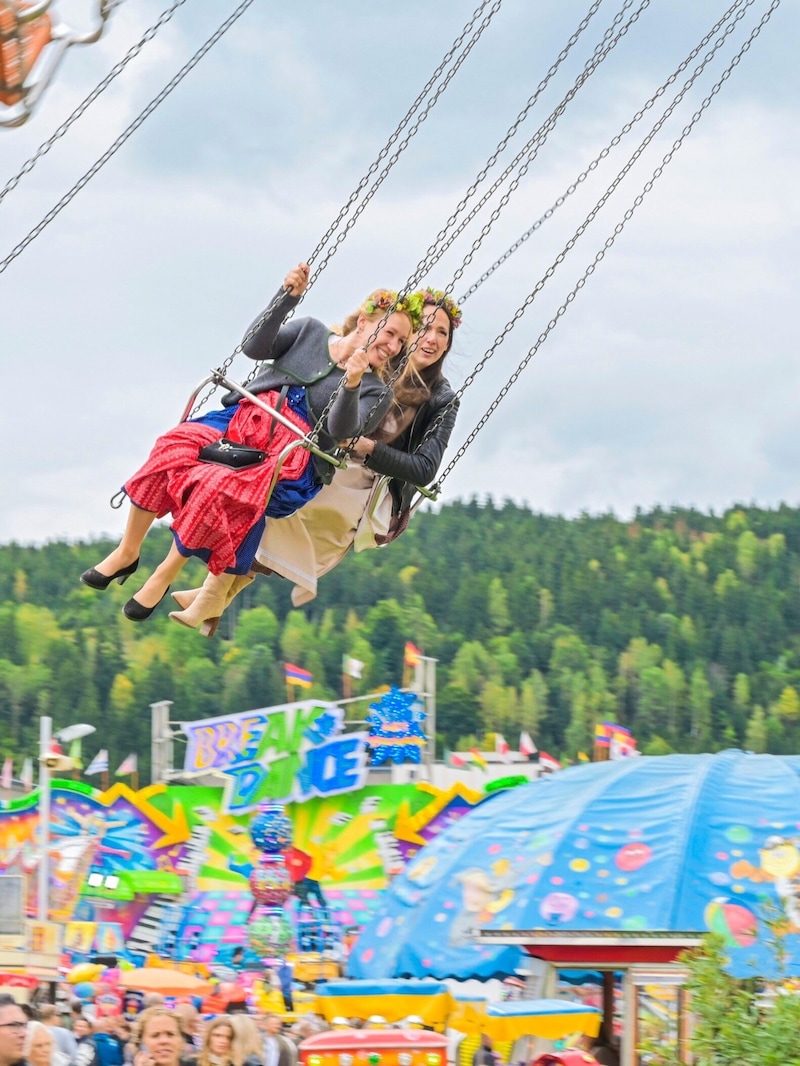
x=381, y=177
x=607, y=43
x=398, y=130
x=125, y=135
x=609, y=242
x=117, y=69
x=573, y=186
x=479, y=366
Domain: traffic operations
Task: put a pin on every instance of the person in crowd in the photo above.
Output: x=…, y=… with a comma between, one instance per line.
x=407, y=447
x=484, y=1056
x=83, y=1031
x=125, y=1034
x=64, y=1040
x=248, y=1047
x=40, y=1046
x=218, y=1049
x=13, y=1026
x=75, y=1012
x=190, y=1027
x=219, y=511
x=159, y=1037
x=278, y=1050
x=107, y=1044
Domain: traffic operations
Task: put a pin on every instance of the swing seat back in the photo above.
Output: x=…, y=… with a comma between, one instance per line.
x=22, y=41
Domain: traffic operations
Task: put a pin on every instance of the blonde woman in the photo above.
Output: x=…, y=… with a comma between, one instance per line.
x=248, y=1045
x=407, y=447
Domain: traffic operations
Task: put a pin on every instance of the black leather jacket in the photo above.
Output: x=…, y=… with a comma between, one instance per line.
x=412, y=460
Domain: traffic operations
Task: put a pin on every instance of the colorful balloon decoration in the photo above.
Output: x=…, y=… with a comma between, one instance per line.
x=270, y=933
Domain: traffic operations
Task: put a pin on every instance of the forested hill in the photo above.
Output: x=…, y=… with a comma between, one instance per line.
x=681, y=625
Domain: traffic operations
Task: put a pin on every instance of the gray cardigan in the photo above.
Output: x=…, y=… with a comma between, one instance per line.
x=299, y=356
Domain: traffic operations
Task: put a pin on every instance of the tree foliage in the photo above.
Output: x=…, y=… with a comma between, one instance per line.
x=681, y=625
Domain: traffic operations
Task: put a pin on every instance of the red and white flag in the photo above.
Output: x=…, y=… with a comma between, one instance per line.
x=526, y=745
x=501, y=747
x=8, y=772
x=456, y=759
x=548, y=762
x=129, y=765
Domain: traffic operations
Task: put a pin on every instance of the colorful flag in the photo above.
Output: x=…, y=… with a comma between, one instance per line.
x=583, y=757
x=501, y=747
x=602, y=735
x=477, y=759
x=99, y=764
x=129, y=765
x=455, y=758
x=26, y=773
x=352, y=667
x=548, y=762
x=8, y=772
x=526, y=745
x=411, y=654
x=296, y=675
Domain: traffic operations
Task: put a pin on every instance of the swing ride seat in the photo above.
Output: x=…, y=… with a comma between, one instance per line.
x=304, y=440
x=32, y=44
x=25, y=32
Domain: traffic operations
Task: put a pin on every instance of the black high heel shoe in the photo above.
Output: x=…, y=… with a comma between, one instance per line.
x=95, y=580
x=136, y=611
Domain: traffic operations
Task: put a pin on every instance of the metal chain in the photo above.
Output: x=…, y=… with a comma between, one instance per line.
x=611, y=239
x=398, y=130
x=117, y=69
x=351, y=222
x=573, y=186
x=518, y=314
x=403, y=144
x=532, y=148
x=434, y=253
x=123, y=137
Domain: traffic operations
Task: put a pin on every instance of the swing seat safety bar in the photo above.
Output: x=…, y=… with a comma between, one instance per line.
x=339, y=460
x=303, y=439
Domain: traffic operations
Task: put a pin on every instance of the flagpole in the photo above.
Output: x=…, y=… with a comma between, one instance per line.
x=104, y=780
x=135, y=780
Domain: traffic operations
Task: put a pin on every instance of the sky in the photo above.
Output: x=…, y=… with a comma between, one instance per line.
x=670, y=379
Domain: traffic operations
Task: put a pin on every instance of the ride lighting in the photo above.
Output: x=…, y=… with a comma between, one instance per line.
x=96, y=880
x=373, y=1058
x=432, y=1059
x=315, y=1060
x=345, y=1060
x=404, y=1059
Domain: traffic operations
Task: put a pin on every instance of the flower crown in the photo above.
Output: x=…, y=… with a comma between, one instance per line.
x=441, y=299
x=388, y=300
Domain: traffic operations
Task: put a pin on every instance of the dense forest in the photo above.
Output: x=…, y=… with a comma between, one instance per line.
x=681, y=625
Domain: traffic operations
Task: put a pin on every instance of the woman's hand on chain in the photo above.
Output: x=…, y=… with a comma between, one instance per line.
x=296, y=281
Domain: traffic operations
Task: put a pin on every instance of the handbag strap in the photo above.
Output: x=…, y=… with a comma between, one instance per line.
x=278, y=407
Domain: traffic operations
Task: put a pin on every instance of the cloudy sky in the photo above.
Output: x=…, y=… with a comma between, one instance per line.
x=672, y=378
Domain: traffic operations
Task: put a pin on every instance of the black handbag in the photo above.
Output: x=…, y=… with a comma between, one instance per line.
x=229, y=453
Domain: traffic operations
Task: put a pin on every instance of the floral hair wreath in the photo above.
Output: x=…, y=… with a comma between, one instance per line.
x=388, y=300
x=441, y=299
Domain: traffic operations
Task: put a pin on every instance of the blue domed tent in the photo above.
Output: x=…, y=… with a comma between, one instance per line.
x=680, y=843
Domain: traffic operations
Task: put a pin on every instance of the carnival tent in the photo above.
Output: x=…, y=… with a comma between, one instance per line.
x=679, y=843
x=392, y=1000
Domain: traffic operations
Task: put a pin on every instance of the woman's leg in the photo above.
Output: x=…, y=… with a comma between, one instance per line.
x=154, y=589
x=127, y=551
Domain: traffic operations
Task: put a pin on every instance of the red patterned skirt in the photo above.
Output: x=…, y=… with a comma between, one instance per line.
x=215, y=506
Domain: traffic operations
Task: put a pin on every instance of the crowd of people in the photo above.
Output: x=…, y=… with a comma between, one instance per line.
x=160, y=1036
